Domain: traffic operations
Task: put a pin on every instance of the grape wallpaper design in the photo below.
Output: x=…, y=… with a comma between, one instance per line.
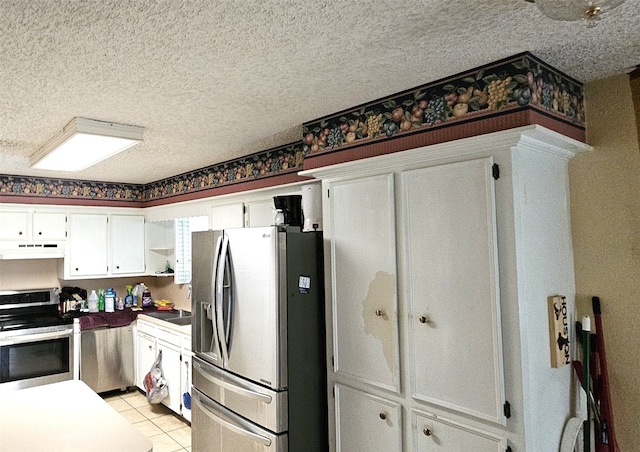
x=281, y=160
x=520, y=81
x=515, y=83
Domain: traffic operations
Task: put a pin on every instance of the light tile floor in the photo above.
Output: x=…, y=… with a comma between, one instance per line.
x=167, y=431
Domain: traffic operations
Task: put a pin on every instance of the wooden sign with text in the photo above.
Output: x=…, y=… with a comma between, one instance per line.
x=558, y=331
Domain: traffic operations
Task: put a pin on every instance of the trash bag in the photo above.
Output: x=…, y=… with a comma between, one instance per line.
x=155, y=383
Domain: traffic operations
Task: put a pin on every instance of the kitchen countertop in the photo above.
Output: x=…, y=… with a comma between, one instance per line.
x=184, y=329
x=66, y=416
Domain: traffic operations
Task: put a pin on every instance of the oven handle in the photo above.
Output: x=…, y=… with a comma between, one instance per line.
x=25, y=339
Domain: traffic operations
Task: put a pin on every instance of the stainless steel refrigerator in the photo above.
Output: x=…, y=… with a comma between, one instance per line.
x=259, y=374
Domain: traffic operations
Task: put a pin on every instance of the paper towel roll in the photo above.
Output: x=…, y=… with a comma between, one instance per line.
x=312, y=207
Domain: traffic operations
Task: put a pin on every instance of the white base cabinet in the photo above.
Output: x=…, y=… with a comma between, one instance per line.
x=175, y=346
x=438, y=263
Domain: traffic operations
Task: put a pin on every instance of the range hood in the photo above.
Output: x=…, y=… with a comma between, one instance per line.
x=31, y=250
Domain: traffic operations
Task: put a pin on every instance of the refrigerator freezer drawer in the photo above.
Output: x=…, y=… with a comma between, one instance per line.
x=217, y=429
x=261, y=405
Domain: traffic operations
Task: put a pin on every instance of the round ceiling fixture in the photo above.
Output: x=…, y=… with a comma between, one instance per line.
x=571, y=10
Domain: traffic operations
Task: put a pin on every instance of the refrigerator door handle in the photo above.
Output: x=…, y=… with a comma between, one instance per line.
x=233, y=388
x=226, y=424
x=222, y=269
x=211, y=309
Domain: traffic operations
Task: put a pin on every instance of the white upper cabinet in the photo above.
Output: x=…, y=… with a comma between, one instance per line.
x=452, y=287
x=103, y=245
x=227, y=216
x=260, y=213
x=27, y=225
x=49, y=226
x=363, y=275
x=87, y=245
x=13, y=225
x=126, y=233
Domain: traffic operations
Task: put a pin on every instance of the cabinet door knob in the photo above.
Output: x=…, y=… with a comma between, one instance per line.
x=40, y=233
x=379, y=312
x=426, y=431
x=383, y=416
x=19, y=232
x=424, y=319
x=150, y=348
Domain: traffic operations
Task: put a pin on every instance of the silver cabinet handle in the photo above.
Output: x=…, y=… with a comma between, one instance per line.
x=233, y=388
x=239, y=430
x=379, y=312
x=383, y=416
x=426, y=431
x=424, y=319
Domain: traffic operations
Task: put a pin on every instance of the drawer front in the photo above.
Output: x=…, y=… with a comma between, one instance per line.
x=256, y=403
x=147, y=328
x=168, y=336
x=217, y=429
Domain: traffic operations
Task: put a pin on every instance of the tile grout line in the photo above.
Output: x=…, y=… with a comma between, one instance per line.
x=145, y=417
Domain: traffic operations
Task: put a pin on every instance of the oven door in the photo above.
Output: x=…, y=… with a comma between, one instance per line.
x=36, y=357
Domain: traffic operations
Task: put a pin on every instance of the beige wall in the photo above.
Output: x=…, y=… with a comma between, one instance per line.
x=605, y=209
x=42, y=274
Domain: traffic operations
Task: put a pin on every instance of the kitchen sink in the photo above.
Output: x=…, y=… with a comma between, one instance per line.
x=179, y=320
x=176, y=317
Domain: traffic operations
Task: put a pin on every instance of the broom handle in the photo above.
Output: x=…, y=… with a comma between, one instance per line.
x=606, y=410
x=586, y=336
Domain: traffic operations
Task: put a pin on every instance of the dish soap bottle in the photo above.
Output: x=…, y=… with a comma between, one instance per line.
x=109, y=301
x=101, y=300
x=93, y=301
x=128, y=300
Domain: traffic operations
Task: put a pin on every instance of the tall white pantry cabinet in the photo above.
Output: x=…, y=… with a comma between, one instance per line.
x=439, y=261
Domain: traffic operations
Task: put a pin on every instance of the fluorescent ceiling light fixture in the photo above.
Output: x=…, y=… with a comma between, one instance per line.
x=83, y=143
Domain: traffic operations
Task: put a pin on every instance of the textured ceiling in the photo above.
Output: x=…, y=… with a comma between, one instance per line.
x=216, y=80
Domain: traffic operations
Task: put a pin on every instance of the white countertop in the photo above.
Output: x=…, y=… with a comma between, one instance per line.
x=66, y=416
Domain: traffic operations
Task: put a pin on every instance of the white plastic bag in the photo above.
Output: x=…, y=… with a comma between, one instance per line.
x=155, y=383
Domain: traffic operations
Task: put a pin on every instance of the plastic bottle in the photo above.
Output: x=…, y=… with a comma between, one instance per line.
x=109, y=301
x=146, y=298
x=128, y=300
x=93, y=301
x=101, y=300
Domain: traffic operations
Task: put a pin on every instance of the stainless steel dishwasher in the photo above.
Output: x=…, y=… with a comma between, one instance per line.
x=106, y=358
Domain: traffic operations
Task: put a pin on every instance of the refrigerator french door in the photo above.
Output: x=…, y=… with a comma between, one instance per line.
x=258, y=338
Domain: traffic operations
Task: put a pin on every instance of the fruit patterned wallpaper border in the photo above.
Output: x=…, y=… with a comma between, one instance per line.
x=512, y=84
x=276, y=161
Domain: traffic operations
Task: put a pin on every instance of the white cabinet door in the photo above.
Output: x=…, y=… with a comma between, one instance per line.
x=365, y=422
x=145, y=357
x=13, y=225
x=436, y=434
x=260, y=213
x=172, y=372
x=127, y=243
x=87, y=245
x=363, y=271
x=49, y=226
x=186, y=382
x=452, y=283
x=229, y=216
